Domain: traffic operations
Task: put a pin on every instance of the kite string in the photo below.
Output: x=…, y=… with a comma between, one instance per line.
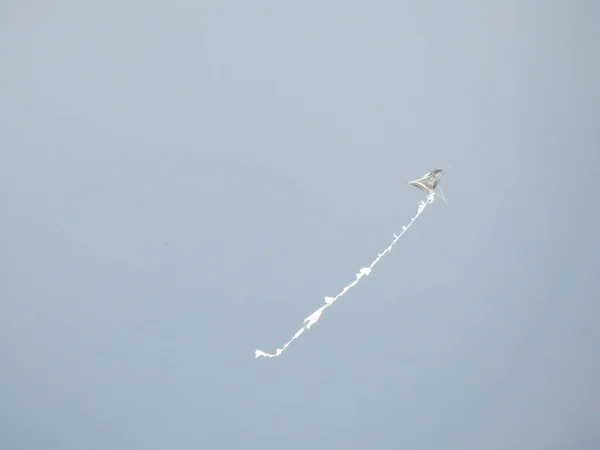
x=315, y=316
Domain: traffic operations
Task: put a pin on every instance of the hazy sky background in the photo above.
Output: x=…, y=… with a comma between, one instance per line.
x=183, y=182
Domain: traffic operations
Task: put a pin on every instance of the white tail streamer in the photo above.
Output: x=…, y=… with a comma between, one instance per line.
x=329, y=301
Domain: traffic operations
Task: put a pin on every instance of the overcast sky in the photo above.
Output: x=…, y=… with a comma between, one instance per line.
x=183, y=182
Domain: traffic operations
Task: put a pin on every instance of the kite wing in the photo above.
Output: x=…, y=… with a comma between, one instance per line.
x=429, y=181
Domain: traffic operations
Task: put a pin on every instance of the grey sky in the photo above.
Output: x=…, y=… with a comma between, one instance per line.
x=181, y=183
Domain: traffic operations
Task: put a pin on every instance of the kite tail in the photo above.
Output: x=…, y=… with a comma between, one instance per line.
x=329, y=301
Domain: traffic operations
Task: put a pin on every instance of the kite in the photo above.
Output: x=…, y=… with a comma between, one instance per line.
x=428, y=183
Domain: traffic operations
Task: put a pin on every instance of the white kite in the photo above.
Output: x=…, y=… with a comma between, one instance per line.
x=428, y=183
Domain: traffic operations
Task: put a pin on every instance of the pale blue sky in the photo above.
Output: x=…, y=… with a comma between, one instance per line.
x=183, y=182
